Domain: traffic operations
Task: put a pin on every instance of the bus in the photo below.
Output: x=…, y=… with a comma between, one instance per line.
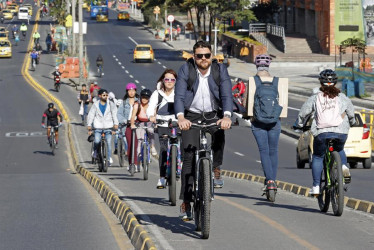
x=99, y=7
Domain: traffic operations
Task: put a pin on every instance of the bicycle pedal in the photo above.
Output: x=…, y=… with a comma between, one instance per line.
x=347, y=180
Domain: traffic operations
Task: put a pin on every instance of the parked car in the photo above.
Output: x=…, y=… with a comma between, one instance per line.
x=357, y=147
x=123, y=15
x=4, y=36
x=8, y=15
x=144, y=52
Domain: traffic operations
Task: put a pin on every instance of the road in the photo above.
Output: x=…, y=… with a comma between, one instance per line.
x=241, y=217
x=44, y=204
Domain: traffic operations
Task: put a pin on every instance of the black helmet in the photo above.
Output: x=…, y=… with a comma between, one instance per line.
x=146, y=93
x=328, y=76
x=239, y=80
x=51, y=105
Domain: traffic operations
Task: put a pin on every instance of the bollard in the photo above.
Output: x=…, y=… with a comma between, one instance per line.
x=348, y=87
x=359, y=88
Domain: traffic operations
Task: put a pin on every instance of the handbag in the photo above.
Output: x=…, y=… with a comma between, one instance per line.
x=81, y=109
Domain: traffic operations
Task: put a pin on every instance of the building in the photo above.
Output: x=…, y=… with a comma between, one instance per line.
x=313, y=18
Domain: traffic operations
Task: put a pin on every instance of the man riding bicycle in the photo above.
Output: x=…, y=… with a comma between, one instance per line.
x=240, y=86
x=23, y=30
x=103, y=117
x=54, y=118
x=333, y=115
x=100, y=61
x=34, y=57
x=206, y=101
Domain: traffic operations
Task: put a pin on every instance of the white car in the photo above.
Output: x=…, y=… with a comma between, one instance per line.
x=23, y=13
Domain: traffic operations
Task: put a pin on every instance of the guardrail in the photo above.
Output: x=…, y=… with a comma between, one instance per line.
x=255, y=29
x=368, y=117
x=277, y=31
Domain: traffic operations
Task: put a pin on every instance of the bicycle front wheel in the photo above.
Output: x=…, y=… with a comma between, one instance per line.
x=205, y=197
x=100, y=159
x=145, y=161
x=104, y=149
x=337, y=189
x=121, y=153
x=172, y=176
x=52, y=143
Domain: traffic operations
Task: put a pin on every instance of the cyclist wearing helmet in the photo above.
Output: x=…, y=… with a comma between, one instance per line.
x=334, y=114
x=124, y=116
x=54, y=118
x=240, y=86
x=267, y=134
x=56, y=73
x=103, y=117
x=139, y=114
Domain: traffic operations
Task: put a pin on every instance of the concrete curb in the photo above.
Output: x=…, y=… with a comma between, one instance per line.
x=138, y=236
x=356, y=204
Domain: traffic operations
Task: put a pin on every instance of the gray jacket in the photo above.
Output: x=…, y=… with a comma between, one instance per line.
x=124, y=110
x=309, y=108
x=100, y=121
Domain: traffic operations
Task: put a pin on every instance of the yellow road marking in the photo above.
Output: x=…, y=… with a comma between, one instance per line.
x=271, y=223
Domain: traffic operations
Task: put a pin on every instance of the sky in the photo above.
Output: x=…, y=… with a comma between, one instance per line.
x=367, y=2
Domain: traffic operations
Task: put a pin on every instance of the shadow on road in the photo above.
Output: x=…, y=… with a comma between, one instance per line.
x=152, y=200
x=43, y=152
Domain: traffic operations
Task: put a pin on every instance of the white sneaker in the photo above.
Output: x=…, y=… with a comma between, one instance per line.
x=314, y=190
x=346, y=172
x=110, y=161
x=153, y=151
x=161, y=183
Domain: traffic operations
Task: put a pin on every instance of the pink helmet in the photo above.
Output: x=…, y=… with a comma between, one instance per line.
x=130, y=86
x=263, y=60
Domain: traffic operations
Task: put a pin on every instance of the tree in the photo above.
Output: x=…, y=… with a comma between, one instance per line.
x=264, y=12
x=356, y=45
x=58, y=11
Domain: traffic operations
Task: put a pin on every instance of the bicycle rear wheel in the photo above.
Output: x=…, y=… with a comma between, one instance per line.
x=100, y=159
x=145, y=161
x=324, y=197
x=337, y=189
x=52, y=143
x=104, y=149
x=205, y=198
x=121, y=153
x=172, y=176
x=93, y=160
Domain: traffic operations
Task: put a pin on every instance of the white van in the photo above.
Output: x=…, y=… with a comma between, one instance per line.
x=23, y=13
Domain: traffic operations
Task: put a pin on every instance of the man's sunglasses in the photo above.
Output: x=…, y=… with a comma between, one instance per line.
x=104, y=95
x=200, y=56
x=169, y=79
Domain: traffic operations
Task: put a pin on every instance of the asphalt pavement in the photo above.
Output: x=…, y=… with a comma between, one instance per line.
x=241, y=217
x=44, y=204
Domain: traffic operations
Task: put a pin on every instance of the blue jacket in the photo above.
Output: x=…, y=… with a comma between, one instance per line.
x=222, y=93
x=124, y=111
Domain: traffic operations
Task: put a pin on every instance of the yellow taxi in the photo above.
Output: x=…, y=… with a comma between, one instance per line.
x=29, y=6
x=101, y=18
x=123, y=15
x=144, y=52
x=85, y=5
x=5, y=48
x=357, y=147
x=13, y=9
x=4, y=36
x=8, y=15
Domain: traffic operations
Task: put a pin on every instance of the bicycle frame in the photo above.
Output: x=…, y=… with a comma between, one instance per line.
x=146, y=141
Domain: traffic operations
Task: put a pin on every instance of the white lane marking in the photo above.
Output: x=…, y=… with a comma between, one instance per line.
x=131, y=76
x=139, y=212
x=119, y=63
x=132, y=40
x=155, y=59
x=123, y=67
x=167, y=45
x=143, y=87
x=258, y=161
x=136, y=81
x=164, y=66
x=117, y=59
x=114, y=56
x=159, y=62
x=293, y=108
x=240, y=154
x=126, y=71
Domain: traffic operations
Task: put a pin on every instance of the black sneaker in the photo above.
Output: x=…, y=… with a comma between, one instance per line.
x=115, y=152
x=185, y=211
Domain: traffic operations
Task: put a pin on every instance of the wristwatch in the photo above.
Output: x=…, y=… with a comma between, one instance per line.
x=227, y=116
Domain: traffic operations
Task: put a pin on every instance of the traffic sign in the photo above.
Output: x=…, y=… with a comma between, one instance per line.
x=156, y=10
x=170, y=18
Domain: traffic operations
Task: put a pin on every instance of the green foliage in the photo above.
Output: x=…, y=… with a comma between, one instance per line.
x=58, y=11
x=242, y=37
x=264, y=12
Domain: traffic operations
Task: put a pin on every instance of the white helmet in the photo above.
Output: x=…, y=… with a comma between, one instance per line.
x=111, y=95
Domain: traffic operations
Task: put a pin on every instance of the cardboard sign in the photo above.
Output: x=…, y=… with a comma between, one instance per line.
x=282, y=89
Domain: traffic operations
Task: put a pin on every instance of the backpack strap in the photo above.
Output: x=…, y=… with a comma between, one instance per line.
x=192, y=74
x=275, y=81
x=215, y=71
x=258, y=80
x=160, y=98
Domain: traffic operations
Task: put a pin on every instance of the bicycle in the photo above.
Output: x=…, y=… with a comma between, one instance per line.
x=173, y=160
x=121, y=146
x=332, y=181
x=145, y=153
x=101, y=158
x=52, y=139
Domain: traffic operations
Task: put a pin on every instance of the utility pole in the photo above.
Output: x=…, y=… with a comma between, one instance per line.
x=215, y=40
x=74, y=3
x=80, y=13
x=166, y=15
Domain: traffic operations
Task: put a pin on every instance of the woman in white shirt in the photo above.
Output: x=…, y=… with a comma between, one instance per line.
x=161, y=107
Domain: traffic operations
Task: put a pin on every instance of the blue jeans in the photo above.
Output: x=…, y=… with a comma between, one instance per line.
x=85, y=111
x=123, y=137
x=108, y=138
x=319, y=150
x=267, y=137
